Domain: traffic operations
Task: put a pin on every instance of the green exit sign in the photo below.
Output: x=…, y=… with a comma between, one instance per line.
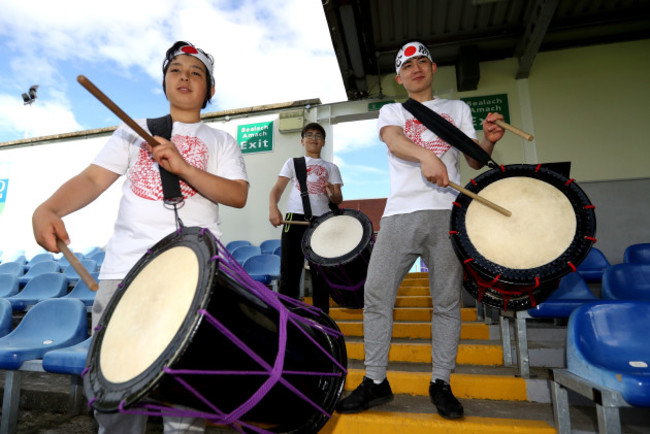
x=482, y=105
x=255, y=137
x=374, y=106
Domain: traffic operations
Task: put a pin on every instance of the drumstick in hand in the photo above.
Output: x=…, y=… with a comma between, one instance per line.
x=298, y=222
x=482, y=200
x=74, y=262
x=515, y=130
x=90, y=87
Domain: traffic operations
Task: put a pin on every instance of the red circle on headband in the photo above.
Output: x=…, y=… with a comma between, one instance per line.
x=410, y=50
x=189, y=50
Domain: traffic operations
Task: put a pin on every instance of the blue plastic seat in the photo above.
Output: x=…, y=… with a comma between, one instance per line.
x=6, y=317
x=73, y=276
x=263, y=268
x=80, y=291
x=593, y=266
x=41, y=287
x=571, y=293
x=627, y=281
x=14, y=268
x=68, y=360
x=231, y=246
x=39, y=268
x=8, y=285
x=63, y=261
x=39, y=257
x=278, y=251
x=268, y=246
x=607, y=344
x=242, y=253
x=98, y=258
x=50, y=324
x=637, y=253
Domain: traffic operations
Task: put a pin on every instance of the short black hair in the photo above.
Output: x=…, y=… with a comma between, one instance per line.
x=312, y=126
x=169, y=56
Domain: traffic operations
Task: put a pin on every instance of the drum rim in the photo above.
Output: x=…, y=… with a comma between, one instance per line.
x=575, y=253
x=366, y=238
x=204, y=246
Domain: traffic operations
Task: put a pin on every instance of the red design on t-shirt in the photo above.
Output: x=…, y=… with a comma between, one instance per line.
x=145, y=175
x=317, y=177
x=413, y=129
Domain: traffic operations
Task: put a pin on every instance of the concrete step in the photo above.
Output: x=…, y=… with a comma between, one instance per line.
x=422, y=330
x=469, y=352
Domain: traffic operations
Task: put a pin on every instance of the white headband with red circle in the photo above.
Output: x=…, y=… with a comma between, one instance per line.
x=205, y=58
x=411, y=49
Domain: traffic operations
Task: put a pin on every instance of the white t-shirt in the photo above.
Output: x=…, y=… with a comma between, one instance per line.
x=142, y=219
x=409, y=190
x=319, y=174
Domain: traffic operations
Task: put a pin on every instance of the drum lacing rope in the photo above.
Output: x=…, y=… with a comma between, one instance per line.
x=506, y=294
x=233, y=269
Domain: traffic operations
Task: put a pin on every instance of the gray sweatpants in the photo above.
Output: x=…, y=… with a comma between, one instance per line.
x=120, y=423
x=402, y=238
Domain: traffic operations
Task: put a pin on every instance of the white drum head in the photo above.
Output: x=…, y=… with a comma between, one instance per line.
x=542, y=225
x=336, y=236
x=149, y=314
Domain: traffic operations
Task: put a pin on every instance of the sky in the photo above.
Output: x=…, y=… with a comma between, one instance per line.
x=265, y=52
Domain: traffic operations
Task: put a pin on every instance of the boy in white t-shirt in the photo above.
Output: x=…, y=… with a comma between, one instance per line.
x=415, y=224
x=324, y=185
x=211, y=171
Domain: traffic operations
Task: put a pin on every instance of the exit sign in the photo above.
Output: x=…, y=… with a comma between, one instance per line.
x=482, y=105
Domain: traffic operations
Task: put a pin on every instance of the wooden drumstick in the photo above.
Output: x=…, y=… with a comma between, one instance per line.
x=74, y=262
x=484, y=201
x=298, y=222
x=90, y=87
x=515, y=130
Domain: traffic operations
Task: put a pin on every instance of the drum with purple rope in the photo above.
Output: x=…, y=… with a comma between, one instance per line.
x=189, y=333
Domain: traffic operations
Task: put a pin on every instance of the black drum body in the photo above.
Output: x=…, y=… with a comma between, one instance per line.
x=189, y=333
x=339, y=246
x=516, y=262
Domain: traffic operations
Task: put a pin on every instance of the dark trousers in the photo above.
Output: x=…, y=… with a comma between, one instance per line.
x=292, y=264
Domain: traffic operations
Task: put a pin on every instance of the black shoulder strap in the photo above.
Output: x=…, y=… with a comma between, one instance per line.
x=301, y=173
x=448, y=132
x=170, y=183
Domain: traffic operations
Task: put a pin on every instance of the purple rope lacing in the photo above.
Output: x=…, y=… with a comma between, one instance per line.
x=230, y=267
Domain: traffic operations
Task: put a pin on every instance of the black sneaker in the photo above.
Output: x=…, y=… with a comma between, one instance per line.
x=366, y=395
x=445, y=401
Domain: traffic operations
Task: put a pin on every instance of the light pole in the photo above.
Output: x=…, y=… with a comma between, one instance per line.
x=28, y=99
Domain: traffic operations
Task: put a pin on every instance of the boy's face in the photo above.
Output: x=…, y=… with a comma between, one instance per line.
x=416, y=74
x=313, y=141
x=186, y=83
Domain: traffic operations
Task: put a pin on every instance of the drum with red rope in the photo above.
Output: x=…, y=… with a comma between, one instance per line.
x=516, y=262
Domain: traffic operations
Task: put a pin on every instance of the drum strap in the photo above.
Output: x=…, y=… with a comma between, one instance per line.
x=448, y=132
x=172, y=195
x=301, y=173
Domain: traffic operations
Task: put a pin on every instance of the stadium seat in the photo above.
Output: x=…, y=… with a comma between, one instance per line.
x=14, y=268
x=8, y=285
x=39, y=268
x=81, y=291
x=607, y=361
x=41, y=287
x=63, y=261
x=571, y=293
x=231, y=246
x=68, y=360
x=269, y=246
x=40, y=257
x=278, y=251
x=637, y=253
x=6, y=317
x=98, y=258
x=51, y=324
x=626, y=281
x=71, y=274
x=593, y=266
x=241, y=254
x=263, y=268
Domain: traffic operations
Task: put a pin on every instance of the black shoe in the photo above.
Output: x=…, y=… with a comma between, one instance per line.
x=366, y=395
x=445, y=401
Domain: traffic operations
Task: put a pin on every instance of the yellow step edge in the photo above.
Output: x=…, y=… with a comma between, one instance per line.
x=400, y=314
x=468, y=354
x=377, y=422
x=468, y=386
x=418, y=330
